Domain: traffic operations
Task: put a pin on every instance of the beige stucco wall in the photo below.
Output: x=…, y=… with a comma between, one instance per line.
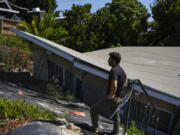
x=94, y=87
x=40, y=70
x=158, y=103
x=41, y=56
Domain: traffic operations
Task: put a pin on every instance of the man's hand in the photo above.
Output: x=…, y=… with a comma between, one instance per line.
x=110, y=97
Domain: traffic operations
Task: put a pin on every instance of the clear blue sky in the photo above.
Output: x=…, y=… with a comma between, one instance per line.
x=96, y=4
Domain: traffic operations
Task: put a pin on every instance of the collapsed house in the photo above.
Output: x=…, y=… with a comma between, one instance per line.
x=86, y=74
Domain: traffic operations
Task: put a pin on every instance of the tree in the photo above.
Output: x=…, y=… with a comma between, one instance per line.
x=77, y=23
x=47, y=5
x=48, y=27
x=165, y=30
x=132, y=20
x=118, y=23
x=104, y=27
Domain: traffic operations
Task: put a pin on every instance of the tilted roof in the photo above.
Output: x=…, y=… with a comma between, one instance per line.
x=156, y=67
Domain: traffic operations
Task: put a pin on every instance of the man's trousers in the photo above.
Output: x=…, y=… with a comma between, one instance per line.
x=104, y=106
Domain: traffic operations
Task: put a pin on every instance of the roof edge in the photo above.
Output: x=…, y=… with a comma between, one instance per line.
x=9, y=10
x=43, y=44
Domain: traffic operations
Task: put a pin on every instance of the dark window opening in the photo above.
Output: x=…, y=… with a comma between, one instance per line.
x=55, y=73
x=51, y=71
x=164, y=121
x=78, y=89
x=60, y=77
x=69, y=81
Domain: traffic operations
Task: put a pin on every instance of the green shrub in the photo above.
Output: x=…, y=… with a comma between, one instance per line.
x=15, y=58
x=133, y=130
x=14, y=42
x=15, y=109
x=62, y=116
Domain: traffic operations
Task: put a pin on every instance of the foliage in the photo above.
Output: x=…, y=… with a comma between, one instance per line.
x=16, y=108
x=47, y=5
x=48, y=27
x=118, y=23
x=15, y=58
x=14, y=42
x=2, y=124
x=53, y=88
x=131, y=21
x=132, y=130
x=165, y=29
x=77, y=24
x=62, y=116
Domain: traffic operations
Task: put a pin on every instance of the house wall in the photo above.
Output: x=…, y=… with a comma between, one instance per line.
x=40, y=68
x=159, y=103
x=94, y=88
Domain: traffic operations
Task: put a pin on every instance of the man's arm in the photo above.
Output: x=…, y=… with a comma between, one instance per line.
x=125, y=83
x=113, y=89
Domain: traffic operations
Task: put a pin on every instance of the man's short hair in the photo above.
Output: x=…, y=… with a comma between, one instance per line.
x=115, y=56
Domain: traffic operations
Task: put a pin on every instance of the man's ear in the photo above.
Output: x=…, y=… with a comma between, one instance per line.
x=114, y=62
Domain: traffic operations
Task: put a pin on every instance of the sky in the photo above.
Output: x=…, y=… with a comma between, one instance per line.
x=96, y=4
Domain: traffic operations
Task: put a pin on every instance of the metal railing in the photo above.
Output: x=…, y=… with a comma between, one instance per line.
x=150, y=113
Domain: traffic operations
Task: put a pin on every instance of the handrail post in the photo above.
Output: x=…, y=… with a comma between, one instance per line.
x=138, y=82
x=127, y=117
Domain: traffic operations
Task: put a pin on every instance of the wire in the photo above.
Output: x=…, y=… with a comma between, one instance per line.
x=17, y=6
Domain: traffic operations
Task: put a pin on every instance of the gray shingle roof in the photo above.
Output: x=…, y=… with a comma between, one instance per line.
x=157, y=67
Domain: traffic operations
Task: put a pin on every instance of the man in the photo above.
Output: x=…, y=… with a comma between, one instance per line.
x=117, y=79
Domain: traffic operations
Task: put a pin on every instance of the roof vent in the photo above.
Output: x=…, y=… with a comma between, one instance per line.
x=178, y=75
x=37, y=9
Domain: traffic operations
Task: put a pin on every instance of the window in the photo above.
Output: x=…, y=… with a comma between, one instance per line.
x=56, y=71
x=51, y=71
x=164, y=121
x=69, y=81
x=66, y=78
x=59, y=74
x=79, y=89
x=74, y=84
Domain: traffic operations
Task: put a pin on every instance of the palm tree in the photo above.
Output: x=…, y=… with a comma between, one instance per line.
x=48, y=27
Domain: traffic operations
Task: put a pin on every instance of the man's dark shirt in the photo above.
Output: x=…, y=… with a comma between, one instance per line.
x=116, y=73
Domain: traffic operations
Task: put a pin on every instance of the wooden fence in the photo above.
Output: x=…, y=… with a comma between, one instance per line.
x=5, y=24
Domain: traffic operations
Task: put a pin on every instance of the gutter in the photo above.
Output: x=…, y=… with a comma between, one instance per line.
x=91, y=70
